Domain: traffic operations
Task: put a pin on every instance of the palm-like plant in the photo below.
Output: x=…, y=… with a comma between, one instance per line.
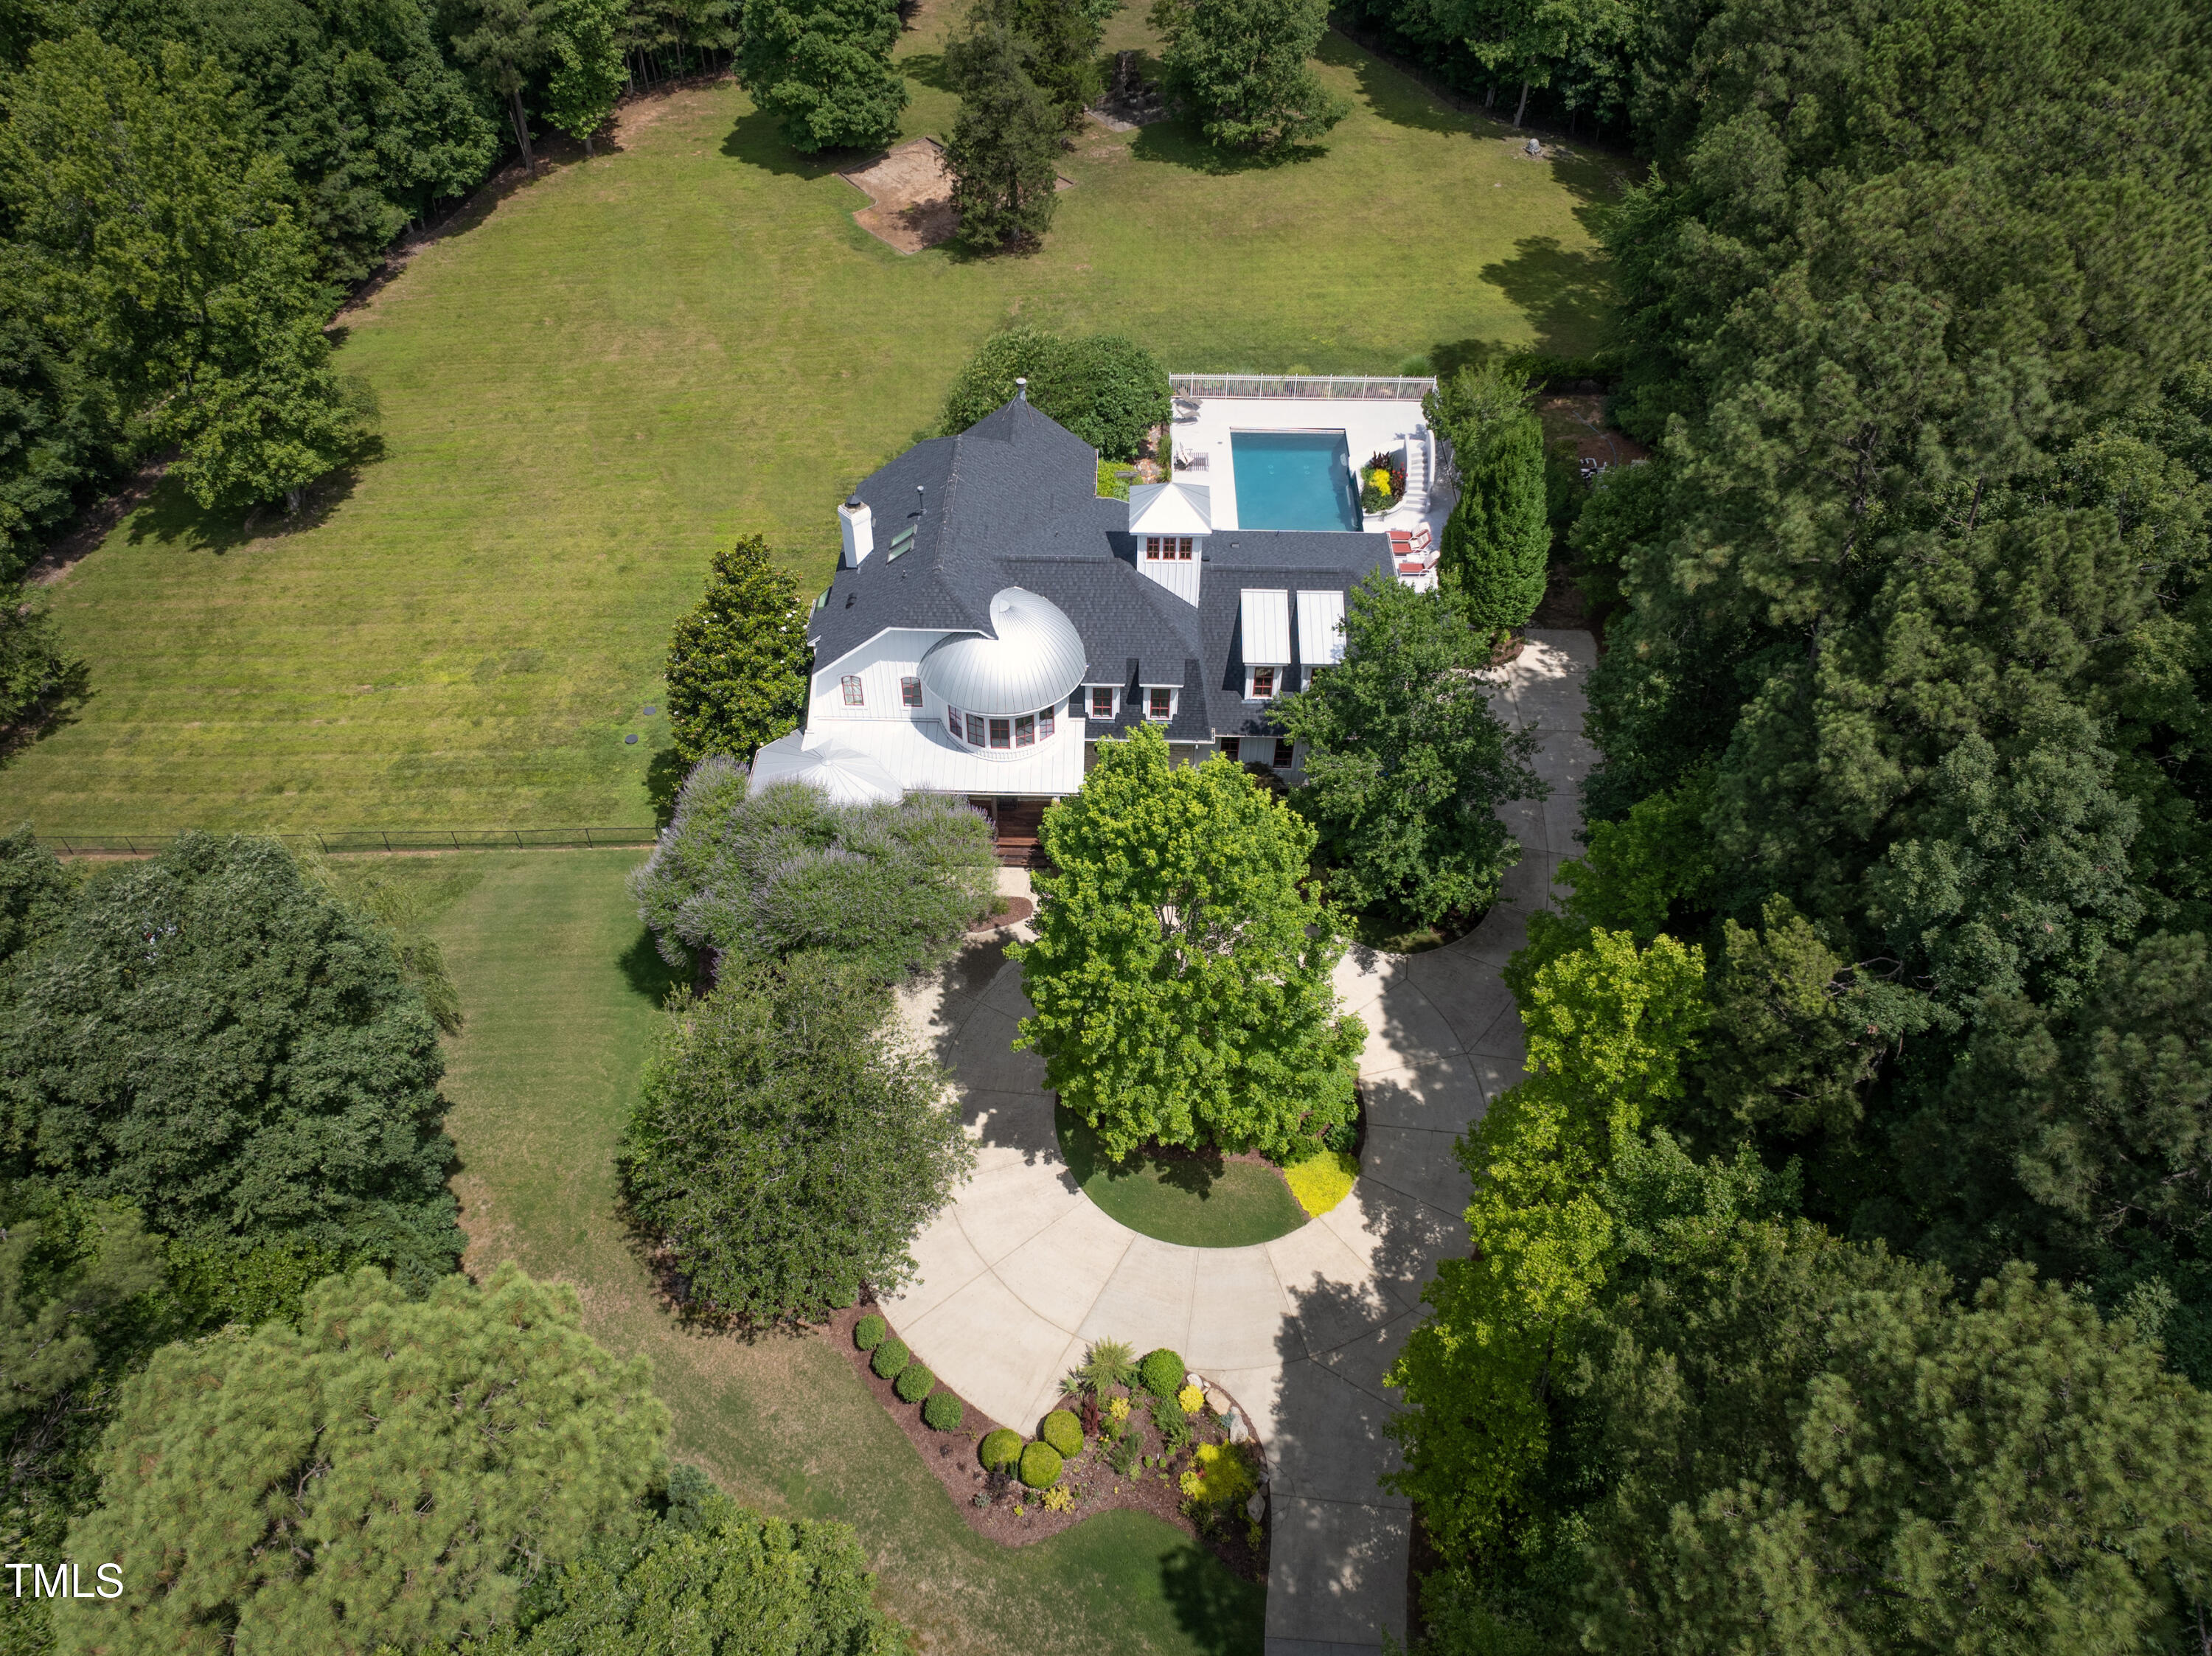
x=1106, y=1364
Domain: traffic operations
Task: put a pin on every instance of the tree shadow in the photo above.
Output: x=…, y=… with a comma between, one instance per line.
x=1177, y=141
x=1222, y=1616
x=1391, y=92
x=1194, y=1174
x=55, y=712
x=172, y=517
x=663, y=779
x=1567, y=292
x=928, y=68
x=646, y=973
x=757, y=139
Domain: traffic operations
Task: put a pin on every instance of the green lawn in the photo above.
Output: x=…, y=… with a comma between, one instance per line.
x=560, y=990
x=1195, y=1201
x=635, y=358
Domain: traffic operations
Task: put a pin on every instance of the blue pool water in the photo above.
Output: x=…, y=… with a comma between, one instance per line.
x=1293, y=480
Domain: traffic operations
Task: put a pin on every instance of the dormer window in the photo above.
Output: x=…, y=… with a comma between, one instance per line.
x=853, y=695
x=1169, y=549
x=1159, y=702
x=1263, y=683
x=1102, y=702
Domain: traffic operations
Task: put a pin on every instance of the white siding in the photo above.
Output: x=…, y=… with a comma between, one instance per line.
x=1321, y=628
x=1267, y=618
x=879, y=664
x=1179, y=577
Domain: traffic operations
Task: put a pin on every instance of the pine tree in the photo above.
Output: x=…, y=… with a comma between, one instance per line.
x=1061, y=55
x=738, y=664
x=1005, y=148
x=823, y=68
x=1498, y=542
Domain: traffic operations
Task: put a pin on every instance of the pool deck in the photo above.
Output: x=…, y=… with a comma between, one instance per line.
x=1203, y=428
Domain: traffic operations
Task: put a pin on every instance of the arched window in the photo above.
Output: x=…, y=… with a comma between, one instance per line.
x=854, y=698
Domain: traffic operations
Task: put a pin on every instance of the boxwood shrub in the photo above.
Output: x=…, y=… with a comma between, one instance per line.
x=891, y=1359
x=941, y=1412
x=1000, y=1450
x=870, y=1332
x=914, y=1383
x=1063, y=1433
x=1040, y=1465
x=1161, y=1373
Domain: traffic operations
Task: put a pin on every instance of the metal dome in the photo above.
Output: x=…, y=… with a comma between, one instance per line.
x=1036, y=659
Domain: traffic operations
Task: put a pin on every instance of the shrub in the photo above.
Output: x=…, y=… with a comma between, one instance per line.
x=737, y=664
x=914, y=1383
x=1064, y=1432
x=1190, y=1399
x=1060, y=1500
x=1161, y=1373
x=1000, y=1450
x=760, y=877
x=941, y=1412
x=870, y=1332
x=1219, y=1475
x=891, y=1359
x=1322, y=1179
x=1107, y=389
x=784, y=1140
x=1040, y=1468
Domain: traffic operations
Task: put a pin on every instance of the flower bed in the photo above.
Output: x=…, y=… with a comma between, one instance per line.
x=1128, y=1452
x=1382, y=481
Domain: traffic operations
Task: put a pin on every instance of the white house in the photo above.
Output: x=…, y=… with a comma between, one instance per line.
x=992, y=617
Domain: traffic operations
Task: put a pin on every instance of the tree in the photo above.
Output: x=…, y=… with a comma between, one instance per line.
x=1005, y=148
x=786, y=1147
x=710, y=1576
x=587, y=66
x=891, y=888
x=503, y=43
x=61, y=424
x=390, y=1472
x=1181, y=972
x=1609, y=1027
x=1498, y=540
x=208, y=1037
x=1061, y=52
x=1406, y=764
x=1108, y=390
x=823, y=69
x=35, y=893
x=738, y=664
x=175, y=252
x=1243, y=64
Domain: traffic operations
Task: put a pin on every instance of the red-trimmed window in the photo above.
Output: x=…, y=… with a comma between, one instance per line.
x=1101, y=704
x=1161, y=703
x=975, y=735
x=1002, y=732
x=1283, y=750
x=1047, y=724
x=1263, y=683
x=1025, y=730
x=1183, y=556
x=854, y=697
x=910, y=692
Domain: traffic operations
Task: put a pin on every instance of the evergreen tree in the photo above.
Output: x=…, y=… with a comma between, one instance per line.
x=1405, y=763
x=1061, y=52
x=587, y=66
x=504, y=43
x=823, y=69
x=1005, y=147
x=1498, y=542
x=388, y=1473
x=785, y=1149
x=1243, y=64
x=1181, y=972
x=738, y=664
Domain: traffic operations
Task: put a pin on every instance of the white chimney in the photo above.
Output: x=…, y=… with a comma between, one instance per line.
x=858, y=525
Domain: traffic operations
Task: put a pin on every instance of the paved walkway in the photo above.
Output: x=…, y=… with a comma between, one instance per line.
x=1021, y=1271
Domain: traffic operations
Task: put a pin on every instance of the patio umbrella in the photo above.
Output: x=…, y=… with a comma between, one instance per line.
x=850, y=775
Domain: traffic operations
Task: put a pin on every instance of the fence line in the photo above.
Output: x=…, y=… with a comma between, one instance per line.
x=342, y=839
x=1332, y=387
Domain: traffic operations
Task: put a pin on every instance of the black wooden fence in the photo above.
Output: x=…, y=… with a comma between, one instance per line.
x=345, y=839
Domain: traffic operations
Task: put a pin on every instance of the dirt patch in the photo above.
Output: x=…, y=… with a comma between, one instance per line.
x=1580, y=419
x=911, y=194
x=1013, y=1516
x=1012, y=910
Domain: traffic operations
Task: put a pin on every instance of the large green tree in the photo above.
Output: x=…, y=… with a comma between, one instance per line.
x=1180, y=971
x=210, y=1037
x=1242, y=64
x=823, y=69
x=1405, y=762
x=786, y=1147
x=1498, y=542
x=738, y=663
x=1106, y=388
x=1004, y=152
x=390, y=1472
x=587, y=66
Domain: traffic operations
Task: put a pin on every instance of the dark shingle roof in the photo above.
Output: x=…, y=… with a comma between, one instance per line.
x=1013, y=502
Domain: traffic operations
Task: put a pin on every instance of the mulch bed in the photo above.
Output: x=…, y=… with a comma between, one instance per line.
x=1013, y=1516
x=1012, y=911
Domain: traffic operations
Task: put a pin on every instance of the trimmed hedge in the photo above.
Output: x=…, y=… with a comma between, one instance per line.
x=891, y=1359
x=1161, y=1373
x=1039, y=1466
x=1063, y=1433
x=914, y=1383
x=941, y=1412
x=1000, y=1450
x=871, y=1331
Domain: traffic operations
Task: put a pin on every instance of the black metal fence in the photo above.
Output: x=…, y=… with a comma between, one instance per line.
x=344, y=839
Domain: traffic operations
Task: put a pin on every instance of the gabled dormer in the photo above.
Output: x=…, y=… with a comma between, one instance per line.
x=1170, y=523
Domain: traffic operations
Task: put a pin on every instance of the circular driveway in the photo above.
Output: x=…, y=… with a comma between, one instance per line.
x=1023, y=1271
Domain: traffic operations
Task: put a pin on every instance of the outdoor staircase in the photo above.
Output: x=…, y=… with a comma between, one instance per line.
x=1417, y=471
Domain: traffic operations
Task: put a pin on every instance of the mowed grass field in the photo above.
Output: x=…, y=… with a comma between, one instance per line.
x=610, y=371
x=560, y=990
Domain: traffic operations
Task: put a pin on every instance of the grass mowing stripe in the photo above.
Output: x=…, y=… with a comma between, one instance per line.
x=560, y=990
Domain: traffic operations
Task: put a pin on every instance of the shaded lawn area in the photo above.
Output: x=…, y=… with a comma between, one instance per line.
x=631, y=359
x=1198, y=1201
x=562, y=989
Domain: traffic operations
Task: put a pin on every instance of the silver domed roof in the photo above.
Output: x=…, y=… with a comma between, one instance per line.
x=1036, y=659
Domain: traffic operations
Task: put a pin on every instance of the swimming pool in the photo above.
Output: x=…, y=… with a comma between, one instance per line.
x=1293, y=480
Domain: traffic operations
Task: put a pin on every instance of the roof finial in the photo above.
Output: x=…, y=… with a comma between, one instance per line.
x=918, y=492
x=1022, y=387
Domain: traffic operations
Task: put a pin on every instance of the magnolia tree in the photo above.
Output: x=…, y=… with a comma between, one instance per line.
x=1181, y=972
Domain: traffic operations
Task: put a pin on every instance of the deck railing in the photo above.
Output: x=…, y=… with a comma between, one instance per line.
x=344, y=839
x=1329, y=387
